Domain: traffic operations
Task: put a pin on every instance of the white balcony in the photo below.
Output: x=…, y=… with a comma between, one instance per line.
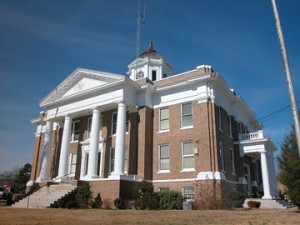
x=252, y=136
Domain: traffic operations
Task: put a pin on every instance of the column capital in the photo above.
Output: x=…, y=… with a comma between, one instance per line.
x=96, y=108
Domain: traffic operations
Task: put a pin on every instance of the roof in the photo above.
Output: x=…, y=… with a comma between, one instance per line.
x=151, y=53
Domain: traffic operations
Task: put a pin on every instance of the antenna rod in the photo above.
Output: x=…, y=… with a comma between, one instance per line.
x=288, y=74
x=138, y=30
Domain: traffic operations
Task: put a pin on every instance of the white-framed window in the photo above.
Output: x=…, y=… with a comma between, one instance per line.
x=164, y=157
x=188, y=193
x=72, y=163
x=154, y=78
x=112, y=160
x=229, y=125
x=114, y=122
x=89, y=127
x=222, y=159
x=219, y=116
x=75, y=130
x=188, y=156
x=232, y=159
x=186, y=114
x=164, y=119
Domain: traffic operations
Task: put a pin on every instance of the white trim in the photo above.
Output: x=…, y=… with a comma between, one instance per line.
x=187, y=170
x=163, y=171
x=186, y=128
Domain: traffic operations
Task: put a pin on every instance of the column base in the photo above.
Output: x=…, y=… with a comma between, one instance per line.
x=116, y=176
x=61, y=180
x=267, y=197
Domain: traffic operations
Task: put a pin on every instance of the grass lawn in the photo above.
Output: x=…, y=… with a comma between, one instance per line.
x=96, y=216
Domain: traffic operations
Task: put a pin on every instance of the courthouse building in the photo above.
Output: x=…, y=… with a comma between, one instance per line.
x=174, y=130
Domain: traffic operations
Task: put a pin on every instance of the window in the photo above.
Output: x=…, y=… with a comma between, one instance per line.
x=242, y=128
x=90, y=127
x=154, y=75
x=164, y=158
x=75, y=131
x=219, y=116
x=114, y=122
x=112, y=160
x=186, y=115
x=232, y=161
x=188, y=161
x=164, y=119
x=188, y=193
x=72, y=166
x=229, y=125
x=222, y=157
x=86, y=163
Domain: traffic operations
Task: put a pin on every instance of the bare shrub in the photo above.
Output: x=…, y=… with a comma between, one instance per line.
x=106, y=204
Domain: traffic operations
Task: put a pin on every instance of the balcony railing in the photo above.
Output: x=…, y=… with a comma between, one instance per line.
x=252, y=136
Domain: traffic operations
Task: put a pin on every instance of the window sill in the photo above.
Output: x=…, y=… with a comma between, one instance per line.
x=74, y=141
x=163, y=131
x=185, y=128
x=164, y=171
x=187, y=170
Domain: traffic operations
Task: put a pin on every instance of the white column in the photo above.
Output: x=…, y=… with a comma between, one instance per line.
x=64, y=151
x=45, y=153
x=120, y=140
x=265, y=175
x=94, y=145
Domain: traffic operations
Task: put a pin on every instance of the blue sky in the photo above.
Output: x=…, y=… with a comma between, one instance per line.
x=42, y=42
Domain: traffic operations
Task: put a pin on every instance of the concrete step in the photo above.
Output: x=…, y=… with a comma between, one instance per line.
x=269, y=203
x=45, y=196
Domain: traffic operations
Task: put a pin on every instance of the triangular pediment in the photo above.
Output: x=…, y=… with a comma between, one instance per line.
x=83, y=85
x=80, y=82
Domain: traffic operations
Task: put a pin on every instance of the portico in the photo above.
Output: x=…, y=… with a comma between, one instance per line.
x=258, y=146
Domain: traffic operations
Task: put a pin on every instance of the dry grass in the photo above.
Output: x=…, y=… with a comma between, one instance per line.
x=95, y=216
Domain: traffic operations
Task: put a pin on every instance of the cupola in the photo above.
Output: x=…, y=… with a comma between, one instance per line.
x=150, y=64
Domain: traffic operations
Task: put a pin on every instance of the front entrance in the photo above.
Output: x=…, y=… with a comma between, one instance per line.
x=248, y=179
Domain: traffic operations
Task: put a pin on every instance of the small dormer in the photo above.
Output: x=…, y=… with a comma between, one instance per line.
x=151, y=65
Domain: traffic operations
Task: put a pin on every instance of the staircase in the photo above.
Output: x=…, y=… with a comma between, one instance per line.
x=270, y=203
x=45, y=196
